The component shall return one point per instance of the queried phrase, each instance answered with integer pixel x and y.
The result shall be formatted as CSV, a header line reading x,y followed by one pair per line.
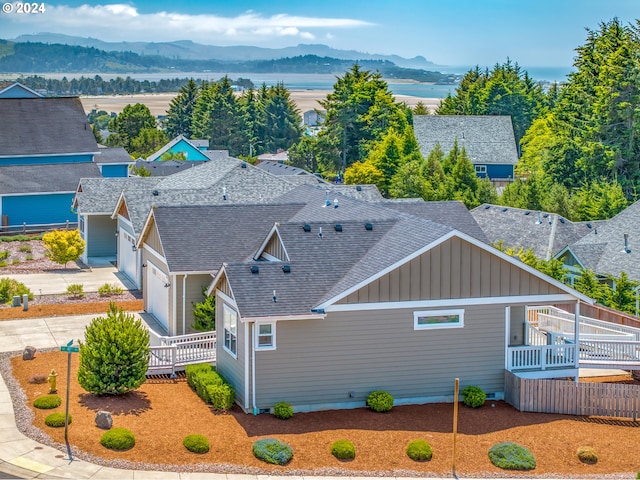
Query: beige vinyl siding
x,y
363,351
275,248
232,369
453,269
194,295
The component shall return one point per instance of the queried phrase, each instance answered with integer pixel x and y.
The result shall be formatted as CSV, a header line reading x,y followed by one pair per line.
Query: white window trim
x,y
481,168
224,330
437,313
257,336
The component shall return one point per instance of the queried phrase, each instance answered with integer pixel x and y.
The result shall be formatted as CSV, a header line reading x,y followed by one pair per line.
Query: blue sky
x,y
460,32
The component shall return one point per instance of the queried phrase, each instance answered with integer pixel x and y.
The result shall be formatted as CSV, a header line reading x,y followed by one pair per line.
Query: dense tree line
x,y
116,86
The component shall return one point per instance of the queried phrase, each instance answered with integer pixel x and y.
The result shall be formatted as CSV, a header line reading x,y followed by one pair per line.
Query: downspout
x,y
246,365
174,291
184,304
253,370
576,337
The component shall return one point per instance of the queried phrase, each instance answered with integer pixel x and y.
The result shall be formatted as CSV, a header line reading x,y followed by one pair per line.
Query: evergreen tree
x,y
130,122
180,112
282,120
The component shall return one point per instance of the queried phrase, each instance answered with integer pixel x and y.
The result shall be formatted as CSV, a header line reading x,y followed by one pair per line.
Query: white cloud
x,y
118,22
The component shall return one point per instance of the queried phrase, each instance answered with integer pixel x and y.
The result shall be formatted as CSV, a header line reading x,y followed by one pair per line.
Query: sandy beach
x,y
158,103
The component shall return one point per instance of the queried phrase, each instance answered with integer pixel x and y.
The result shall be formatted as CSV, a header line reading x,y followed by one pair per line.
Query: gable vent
x,y
368,226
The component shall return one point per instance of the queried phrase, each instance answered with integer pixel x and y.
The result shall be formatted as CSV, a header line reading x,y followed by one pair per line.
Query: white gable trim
x,y
264,244
473,241
169,146
452,302
22,87
568,249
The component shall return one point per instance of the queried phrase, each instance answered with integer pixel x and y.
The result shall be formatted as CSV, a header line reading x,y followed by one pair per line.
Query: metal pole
x,y
66,413
455,422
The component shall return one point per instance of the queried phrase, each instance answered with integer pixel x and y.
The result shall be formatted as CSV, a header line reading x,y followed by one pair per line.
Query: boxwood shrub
x,y
588,455
511,456
221,397
419,451
192,370
196,443
343,450
272,451
46,402
380,401
56,420
473,396
118,439
283,410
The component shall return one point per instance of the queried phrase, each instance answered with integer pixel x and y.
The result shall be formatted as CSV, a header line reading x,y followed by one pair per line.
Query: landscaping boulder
x,y
29,353
104,420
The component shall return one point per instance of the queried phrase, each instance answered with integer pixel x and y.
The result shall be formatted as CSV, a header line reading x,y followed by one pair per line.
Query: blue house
x,y
46,147
488,140
183,148
17,90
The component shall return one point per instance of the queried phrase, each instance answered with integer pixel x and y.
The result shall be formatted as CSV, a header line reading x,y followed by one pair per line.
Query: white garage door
x,y
157,294
127,257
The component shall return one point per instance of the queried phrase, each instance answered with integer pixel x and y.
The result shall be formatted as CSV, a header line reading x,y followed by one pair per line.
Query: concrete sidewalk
x,y
55,282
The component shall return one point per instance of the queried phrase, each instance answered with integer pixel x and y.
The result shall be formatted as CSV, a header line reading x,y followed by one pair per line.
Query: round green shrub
x,y
473,396
343,450
588,455
419,450
272,451
46,402
283,410
118,439
56,420
511,456
196,443
380,401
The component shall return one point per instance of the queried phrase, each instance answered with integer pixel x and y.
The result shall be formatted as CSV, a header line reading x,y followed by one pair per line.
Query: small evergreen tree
x,y
63,246
204,313
115,354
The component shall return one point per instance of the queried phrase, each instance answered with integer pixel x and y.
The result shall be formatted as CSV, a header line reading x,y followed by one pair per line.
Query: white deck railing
x,y
541,357
171,354
610,351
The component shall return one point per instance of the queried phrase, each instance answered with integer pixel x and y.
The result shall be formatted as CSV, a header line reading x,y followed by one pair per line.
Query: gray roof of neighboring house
x,y
517,227
452,213
112,155
169,167
216,154
200,238
43,178
486,138
44,126
277,168
100,195
322,267
603,250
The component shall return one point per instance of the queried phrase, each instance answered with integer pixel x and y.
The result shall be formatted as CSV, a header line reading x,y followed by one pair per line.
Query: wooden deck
x,y
171,354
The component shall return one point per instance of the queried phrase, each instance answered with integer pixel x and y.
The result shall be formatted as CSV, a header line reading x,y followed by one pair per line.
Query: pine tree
x,y
179,115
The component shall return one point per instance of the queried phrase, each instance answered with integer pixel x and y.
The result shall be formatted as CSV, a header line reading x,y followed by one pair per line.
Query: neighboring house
x,y
189,150
488,140
17,90
277,168
543,232
182,246
339,302
279,157
113,162
313,118
609,248
168,167
46,147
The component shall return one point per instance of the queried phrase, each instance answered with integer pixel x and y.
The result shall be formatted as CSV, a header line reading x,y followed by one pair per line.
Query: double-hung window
x,y
230,327
265,336
430,319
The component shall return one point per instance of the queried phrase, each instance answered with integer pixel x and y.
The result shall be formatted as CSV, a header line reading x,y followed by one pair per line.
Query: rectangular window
x,y
230,327
265,336
438,319
481,169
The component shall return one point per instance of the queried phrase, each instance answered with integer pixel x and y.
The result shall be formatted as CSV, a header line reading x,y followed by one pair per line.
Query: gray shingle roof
x,y
200,238
277,168
99,195
112,155
452,213
44,177
44,126
169,167
487,139
518,227
603,251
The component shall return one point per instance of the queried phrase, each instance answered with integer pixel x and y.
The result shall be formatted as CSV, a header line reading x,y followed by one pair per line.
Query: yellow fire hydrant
x,y
52,381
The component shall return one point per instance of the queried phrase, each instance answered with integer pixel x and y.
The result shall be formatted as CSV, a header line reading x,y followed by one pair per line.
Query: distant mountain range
x,y
188,50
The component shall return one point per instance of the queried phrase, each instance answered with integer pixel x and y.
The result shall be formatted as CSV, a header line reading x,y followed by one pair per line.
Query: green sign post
x,y
69,348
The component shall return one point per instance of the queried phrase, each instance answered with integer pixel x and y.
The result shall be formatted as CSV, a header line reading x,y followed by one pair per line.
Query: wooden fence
x,y
572,398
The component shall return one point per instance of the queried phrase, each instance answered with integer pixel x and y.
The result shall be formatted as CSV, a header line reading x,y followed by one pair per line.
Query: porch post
x,y
576,337
507,335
